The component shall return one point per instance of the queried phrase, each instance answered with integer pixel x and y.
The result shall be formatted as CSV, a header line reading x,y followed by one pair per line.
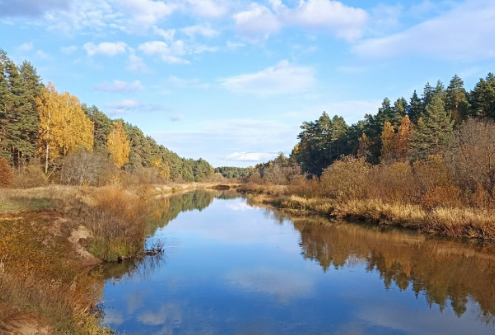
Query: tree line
x,y
42,129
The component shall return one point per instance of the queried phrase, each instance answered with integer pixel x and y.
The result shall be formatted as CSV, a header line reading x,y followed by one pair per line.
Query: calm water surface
x,y
229,268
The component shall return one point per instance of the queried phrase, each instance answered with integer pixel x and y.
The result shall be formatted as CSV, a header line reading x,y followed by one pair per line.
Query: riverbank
x,y
463,222
52,238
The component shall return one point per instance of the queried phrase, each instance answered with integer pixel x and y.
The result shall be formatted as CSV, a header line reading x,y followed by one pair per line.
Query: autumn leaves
x,y
64,128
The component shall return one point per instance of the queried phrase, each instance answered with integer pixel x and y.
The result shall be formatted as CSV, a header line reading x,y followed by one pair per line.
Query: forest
x,y
48,136
426,163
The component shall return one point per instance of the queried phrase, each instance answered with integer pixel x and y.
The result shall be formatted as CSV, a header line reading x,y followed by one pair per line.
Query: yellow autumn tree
x,y
402,137
161,167
388,143
118,145
63,126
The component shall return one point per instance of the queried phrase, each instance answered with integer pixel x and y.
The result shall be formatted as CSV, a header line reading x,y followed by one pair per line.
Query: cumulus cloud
x,y
251,156
120,87
282,78
26,46
105,48
146,13
207,8
205,31
472,22
68,50
31,8
258,22
277,283
344,21
169,54
135,63
168,35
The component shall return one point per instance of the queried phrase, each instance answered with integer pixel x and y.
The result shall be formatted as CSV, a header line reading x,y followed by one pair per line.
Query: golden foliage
x,y
161,167
63,125
402,137
442,196
118,145
388,142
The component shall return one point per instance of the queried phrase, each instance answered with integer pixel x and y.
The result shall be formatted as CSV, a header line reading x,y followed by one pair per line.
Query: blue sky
x,y
232,81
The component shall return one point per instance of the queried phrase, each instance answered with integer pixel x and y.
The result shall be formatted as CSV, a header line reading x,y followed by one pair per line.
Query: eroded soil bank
x,y
49,279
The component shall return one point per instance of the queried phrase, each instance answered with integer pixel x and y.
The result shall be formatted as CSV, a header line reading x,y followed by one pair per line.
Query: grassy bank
x,y
442,220
51,238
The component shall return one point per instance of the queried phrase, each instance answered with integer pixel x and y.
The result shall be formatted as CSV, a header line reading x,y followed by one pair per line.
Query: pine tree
x,y
434,132
118,145
483,99
456,102
416,108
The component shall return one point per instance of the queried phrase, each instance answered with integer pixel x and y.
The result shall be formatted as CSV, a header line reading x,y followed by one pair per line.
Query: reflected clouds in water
x,y
283,285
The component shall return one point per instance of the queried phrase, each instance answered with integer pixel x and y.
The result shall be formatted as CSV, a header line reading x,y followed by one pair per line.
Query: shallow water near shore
x,y
230,268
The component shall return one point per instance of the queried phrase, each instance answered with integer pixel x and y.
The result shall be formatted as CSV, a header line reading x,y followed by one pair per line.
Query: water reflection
x,y
447,271
230,268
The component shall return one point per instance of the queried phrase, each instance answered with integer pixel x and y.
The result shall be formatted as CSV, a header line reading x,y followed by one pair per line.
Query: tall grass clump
x,y
116,219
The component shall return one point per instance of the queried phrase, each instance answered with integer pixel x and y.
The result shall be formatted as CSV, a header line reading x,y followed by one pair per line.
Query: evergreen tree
x,y
434,133
483,99
456,102
416,108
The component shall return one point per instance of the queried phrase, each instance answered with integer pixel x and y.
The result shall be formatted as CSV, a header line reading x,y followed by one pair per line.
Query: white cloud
x,y
26,46
282,78
169,54
68,50
135,63
385,17
251,156
234,45
464,33
257,22
146,13
123,106
233,136
261,22
346,22
41,54
208,8
278,283
205,31
178,82
177,118
423,8
168,35
120,87
105,48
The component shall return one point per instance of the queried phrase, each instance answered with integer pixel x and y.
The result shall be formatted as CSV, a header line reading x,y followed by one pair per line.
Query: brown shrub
x,y
303,187
31,176
346,179
6,175
117,222
431,173
442,196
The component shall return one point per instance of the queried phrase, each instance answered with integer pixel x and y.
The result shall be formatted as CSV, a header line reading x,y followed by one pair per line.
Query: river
x,y
232,268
